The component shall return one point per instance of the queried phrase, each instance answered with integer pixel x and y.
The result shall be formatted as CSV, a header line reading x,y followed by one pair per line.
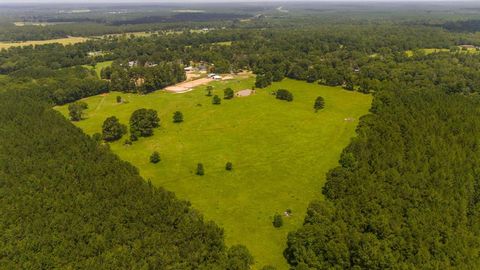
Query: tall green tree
x,y
112,130
143,121
75,110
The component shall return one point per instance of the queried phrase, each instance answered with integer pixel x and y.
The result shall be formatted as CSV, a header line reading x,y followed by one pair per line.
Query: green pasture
x,y
280,152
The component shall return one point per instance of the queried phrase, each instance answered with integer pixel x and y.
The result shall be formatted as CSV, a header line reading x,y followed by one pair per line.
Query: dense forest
x,y
405,195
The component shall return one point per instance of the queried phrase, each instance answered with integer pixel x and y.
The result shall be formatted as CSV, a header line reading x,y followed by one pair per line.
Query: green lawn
x,y
280,153
99,66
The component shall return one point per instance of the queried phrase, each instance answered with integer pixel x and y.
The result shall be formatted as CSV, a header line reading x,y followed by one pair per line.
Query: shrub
x,y
155,157
228,93
229,166
119,99
200,170
283,94
319,104
277,221
216,100
177,117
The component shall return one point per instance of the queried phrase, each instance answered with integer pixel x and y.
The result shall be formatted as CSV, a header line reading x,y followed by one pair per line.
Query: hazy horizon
x,y
223,1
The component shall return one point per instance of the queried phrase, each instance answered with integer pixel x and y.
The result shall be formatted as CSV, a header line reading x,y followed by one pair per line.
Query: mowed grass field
x,y
280,152
99,66
63,41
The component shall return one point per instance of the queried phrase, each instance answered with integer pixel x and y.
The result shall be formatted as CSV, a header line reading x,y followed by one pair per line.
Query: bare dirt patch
x,y
187,86
192,76
245,93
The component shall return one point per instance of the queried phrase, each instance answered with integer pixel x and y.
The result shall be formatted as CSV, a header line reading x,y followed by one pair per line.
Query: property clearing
x,y
280,152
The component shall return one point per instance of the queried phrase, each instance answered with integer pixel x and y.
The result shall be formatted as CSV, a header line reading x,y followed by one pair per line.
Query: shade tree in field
x,y
284,94
228,93
142,122
319,104
216,100
177,117
112,129
229,166
75,110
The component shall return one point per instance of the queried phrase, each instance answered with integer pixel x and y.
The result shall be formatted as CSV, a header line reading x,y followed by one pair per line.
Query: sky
x,y
210,1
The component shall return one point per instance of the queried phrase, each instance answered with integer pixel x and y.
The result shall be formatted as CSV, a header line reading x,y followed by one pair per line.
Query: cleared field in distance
x,y
99,66
73,40
436,50
280,153
63,41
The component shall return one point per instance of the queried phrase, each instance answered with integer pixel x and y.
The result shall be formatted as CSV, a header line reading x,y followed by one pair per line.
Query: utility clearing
x,y
280,152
